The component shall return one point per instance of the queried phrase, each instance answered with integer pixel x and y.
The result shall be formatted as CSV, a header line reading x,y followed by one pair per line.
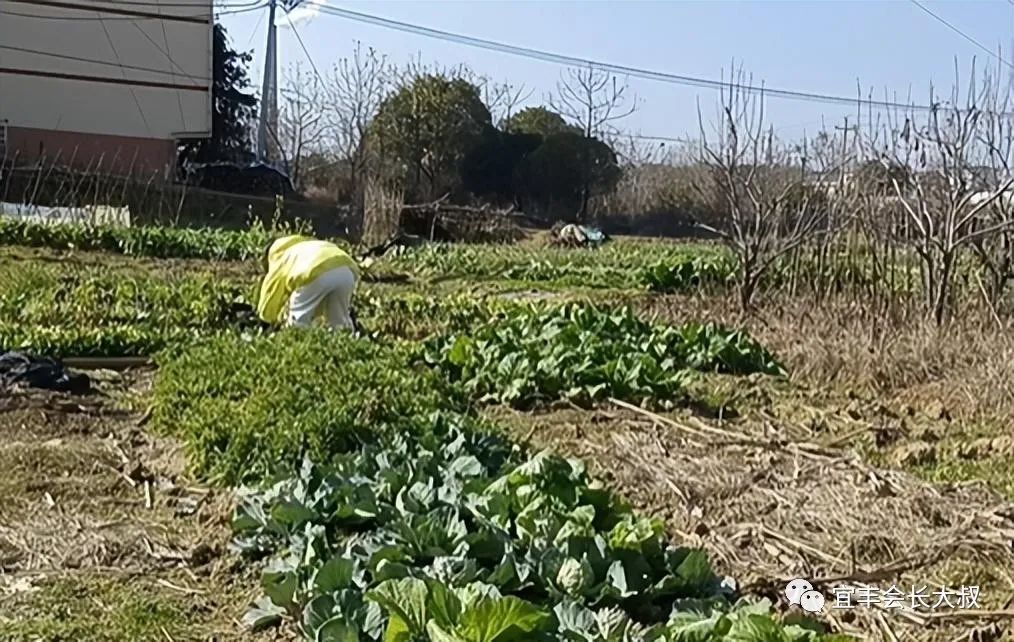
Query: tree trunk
x,y
943,287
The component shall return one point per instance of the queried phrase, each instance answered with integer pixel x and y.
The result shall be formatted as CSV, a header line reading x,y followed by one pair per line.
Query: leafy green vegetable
x,y
454,536
584,353
156,241
691,272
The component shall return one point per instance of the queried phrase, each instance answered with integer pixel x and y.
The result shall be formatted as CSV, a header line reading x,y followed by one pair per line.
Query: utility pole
x,y
268,125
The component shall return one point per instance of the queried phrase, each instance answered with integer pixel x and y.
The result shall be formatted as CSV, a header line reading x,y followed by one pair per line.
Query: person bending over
x,y
306,278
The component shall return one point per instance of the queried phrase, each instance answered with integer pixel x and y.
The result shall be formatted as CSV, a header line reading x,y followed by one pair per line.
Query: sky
x,y
825,46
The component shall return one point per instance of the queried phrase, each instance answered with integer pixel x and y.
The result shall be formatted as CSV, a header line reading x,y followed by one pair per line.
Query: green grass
x,y
102,609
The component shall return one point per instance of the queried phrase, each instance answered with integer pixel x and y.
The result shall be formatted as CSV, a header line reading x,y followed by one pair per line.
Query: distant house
x,y
104,86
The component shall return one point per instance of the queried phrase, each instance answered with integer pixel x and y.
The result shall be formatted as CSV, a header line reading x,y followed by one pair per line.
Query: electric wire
x,y
638,72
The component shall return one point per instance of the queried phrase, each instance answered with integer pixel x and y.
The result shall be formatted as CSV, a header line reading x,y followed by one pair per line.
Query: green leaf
x,y
508,619
335,574
756,628
697,627
467,466
336,630
443,605
397,630
291,513
635,534
439,634
319,610
280,587
572,616
416,602
459,352
695,569
404,599
387,570
263,614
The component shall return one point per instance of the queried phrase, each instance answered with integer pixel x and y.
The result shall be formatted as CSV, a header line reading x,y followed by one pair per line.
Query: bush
x,y
250,406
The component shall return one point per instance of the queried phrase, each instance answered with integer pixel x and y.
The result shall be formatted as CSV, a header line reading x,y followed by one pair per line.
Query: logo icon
x,y
801,593
812,602
795,589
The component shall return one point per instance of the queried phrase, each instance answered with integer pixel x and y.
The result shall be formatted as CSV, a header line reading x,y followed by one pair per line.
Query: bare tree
x,y
639,189
354,88
774,195
503,99
946,206
995,252
301,117
595,100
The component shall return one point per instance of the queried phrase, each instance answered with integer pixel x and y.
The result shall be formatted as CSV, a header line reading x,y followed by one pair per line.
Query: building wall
x,y
97,153
92,80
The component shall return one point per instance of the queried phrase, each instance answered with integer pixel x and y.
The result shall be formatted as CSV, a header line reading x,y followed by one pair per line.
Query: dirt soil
x,y
773,501
102,535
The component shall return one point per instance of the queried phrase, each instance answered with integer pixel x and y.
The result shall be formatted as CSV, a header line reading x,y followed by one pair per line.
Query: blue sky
x,y
822,46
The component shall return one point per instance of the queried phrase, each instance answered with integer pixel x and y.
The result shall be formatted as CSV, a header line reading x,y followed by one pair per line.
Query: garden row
x,y
535,354
91,312
622,264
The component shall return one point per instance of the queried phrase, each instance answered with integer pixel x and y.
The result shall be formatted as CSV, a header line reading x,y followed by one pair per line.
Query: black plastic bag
x,y
18,369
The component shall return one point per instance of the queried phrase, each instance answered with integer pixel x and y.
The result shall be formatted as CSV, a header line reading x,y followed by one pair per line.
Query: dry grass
x,y
771,502
99,525
935,401
967,365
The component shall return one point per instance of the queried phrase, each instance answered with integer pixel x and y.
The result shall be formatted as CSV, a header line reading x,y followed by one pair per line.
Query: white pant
x,y
331,292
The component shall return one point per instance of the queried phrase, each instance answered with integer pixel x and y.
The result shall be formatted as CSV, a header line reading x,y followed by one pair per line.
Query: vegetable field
x,y
527,444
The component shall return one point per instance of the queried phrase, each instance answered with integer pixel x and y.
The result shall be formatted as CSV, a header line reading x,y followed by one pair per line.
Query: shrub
x,y
250,406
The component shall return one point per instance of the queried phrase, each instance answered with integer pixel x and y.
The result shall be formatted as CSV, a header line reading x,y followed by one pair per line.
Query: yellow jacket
x,y
294,261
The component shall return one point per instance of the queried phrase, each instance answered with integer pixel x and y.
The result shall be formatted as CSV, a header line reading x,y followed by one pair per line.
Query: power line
x,y
637,72
168,57
168,51
260,19
192,5
960,32
305,50
95,61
